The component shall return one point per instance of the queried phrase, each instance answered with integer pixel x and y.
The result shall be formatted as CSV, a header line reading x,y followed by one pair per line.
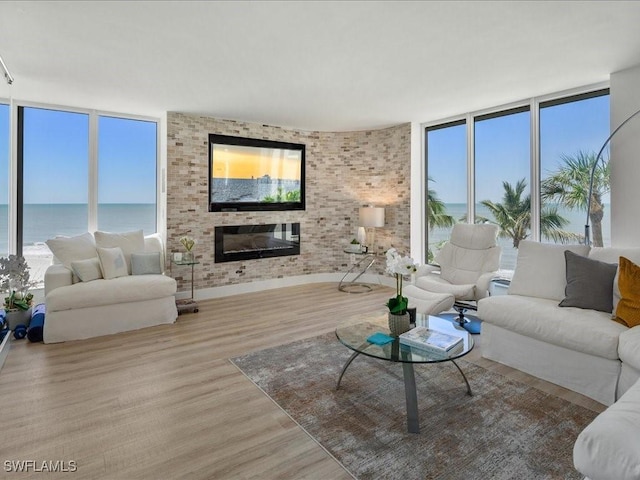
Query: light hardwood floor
x,y
165,402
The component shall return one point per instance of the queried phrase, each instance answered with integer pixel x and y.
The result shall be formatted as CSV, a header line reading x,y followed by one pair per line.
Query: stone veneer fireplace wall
x,y
344,170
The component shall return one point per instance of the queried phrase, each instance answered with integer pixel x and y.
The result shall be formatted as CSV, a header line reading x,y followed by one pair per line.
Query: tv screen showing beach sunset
x,y
252,176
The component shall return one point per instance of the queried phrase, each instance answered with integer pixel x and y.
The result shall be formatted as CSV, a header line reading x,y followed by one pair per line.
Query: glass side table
x,y
186,305
358,269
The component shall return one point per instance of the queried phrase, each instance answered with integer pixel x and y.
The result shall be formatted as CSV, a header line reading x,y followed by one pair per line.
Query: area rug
x,y
506,430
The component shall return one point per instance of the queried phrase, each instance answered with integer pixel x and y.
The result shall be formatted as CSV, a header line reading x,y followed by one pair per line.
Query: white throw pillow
x,y
541,269
69,249
129,242
112,262
87,270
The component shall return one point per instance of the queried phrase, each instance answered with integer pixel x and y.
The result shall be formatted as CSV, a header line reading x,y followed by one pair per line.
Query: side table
x,y
187,304
358,269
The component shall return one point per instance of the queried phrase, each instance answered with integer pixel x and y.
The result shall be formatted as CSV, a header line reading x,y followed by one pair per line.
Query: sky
x,y
503,147
56,152
236,161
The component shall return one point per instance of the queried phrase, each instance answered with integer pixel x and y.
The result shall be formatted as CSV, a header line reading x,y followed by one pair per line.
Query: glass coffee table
x,y
353,334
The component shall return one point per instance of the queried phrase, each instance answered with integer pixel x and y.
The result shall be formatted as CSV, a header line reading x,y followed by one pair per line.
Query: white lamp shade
x,y
371,217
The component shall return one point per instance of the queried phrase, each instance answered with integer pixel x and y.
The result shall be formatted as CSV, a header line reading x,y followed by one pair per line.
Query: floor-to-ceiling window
x,y
54,153
4,179
502,177
127,152
566,131
447,182
572,130
77,171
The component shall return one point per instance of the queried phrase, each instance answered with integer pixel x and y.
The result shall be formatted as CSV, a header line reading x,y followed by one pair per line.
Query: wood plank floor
x,y
165,402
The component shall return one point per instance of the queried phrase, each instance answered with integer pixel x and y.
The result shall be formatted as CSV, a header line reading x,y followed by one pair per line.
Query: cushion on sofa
x,y
608,447
145,263
587,331
612,255
129,242
589,283
87,270
112,263
540,269
628,309
132,288
629,347
69,249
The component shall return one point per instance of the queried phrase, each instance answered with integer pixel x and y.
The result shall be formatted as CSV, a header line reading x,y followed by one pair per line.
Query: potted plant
x,y
354,246
15,282
399,266
188,243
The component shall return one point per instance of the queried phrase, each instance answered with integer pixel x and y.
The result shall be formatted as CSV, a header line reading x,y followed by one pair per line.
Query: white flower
x,y
399,265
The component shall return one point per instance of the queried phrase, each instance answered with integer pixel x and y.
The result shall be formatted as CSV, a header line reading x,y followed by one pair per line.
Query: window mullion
x,y
93,173
535,170
471,181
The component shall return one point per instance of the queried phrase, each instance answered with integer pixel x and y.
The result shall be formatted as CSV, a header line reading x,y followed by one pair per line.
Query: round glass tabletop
x,y
356,331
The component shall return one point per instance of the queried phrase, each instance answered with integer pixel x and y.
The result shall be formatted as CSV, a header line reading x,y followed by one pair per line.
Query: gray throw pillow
x,y
145,263
589,283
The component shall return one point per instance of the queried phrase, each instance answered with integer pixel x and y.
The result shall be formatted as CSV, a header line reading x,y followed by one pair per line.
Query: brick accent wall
x,y
344,171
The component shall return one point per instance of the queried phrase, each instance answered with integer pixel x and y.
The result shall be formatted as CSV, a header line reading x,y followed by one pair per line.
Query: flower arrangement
x,y
14,279
399,266
188,242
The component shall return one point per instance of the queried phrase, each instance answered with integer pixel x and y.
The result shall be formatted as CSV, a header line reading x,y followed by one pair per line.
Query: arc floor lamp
x,y
587,227
7,75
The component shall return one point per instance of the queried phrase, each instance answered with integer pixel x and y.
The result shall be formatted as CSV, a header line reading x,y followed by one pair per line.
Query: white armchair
x,y
465,266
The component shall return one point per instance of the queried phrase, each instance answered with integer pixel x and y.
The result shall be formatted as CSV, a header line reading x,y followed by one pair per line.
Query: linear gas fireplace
x,y
247,242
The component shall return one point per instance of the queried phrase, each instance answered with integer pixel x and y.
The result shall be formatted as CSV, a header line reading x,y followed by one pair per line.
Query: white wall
x,y
625,159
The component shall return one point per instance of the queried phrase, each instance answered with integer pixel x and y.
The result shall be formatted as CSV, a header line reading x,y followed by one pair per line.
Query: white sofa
x,y
84,309
580,349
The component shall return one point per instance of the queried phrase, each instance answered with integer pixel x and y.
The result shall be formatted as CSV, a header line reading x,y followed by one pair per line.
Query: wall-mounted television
x,y
249,174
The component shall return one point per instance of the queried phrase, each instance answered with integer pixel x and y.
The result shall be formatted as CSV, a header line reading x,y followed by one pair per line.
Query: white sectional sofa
x,y
86,298
581,349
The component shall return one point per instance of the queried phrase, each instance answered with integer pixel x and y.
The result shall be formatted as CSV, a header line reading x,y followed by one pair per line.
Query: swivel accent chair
x,y
465,266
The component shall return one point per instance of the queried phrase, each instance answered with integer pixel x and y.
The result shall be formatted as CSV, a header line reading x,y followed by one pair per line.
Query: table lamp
x,y
370,218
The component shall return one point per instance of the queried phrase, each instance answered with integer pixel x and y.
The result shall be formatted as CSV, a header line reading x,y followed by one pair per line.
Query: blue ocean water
x,y
44,221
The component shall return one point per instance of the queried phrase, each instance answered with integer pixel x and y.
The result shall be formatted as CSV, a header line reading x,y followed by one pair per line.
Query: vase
x,y
399,323
187,256
18,317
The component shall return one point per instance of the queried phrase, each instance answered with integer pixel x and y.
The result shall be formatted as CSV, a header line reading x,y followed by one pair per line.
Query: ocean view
x,y
509,254
44,221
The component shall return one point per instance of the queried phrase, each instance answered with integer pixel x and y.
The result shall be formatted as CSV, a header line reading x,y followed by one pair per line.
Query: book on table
x,y
432,340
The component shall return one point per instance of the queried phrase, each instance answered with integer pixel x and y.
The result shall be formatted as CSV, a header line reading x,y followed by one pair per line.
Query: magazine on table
x,y
423,337
435,352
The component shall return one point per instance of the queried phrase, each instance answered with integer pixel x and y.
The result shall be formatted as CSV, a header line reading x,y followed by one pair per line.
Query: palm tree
x,y
437,211
513,216
436,216
569,186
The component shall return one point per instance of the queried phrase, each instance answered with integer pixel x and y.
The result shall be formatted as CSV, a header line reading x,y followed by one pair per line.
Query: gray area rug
x,y
506,430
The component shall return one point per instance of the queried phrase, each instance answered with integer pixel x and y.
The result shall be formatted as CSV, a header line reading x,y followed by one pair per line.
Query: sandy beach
x,y
38,257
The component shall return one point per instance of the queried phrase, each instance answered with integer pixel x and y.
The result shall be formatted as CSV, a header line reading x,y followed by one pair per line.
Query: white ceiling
x,y
327,65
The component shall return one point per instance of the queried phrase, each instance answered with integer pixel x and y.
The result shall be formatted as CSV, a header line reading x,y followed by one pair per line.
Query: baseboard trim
x,y
260,285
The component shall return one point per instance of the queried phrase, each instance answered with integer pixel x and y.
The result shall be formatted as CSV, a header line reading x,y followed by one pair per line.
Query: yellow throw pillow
x,y
628,310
